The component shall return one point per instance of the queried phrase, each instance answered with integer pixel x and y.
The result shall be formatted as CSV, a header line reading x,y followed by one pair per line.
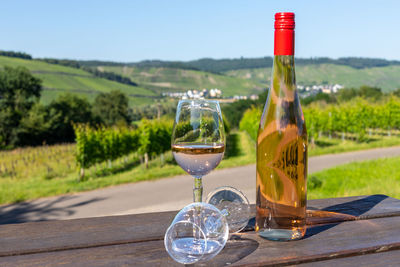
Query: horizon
x,y
133,31
196,59
185,61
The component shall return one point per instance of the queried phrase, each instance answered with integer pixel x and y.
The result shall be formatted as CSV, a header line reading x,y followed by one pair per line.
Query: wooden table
x,y
355,231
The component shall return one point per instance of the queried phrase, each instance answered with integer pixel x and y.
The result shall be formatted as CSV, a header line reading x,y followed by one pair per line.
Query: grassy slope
x,y
168,79
60,79
380,176
388,78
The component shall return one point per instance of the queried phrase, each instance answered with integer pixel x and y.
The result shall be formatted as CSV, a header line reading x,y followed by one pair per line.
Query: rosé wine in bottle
x,y
282,146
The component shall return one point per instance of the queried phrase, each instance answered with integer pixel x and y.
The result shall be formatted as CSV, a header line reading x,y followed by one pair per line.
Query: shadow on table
x,y
319,220
235,249
40,210
322,220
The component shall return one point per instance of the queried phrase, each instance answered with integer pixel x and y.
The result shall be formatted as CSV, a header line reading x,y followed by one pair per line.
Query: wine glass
x,y
198,232
233,204
198,139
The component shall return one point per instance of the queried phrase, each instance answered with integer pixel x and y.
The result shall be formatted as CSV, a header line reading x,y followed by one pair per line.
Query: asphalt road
x,y
160,195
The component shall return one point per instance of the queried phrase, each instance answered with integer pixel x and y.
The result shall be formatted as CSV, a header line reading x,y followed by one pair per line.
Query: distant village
x,y
215,93
306,91
195,94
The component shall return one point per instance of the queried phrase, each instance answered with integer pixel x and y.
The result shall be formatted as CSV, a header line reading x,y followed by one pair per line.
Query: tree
x,y
15,54
396,92
370,92
112,108
63,112
19,90
35,127
346,94
233,112
323,97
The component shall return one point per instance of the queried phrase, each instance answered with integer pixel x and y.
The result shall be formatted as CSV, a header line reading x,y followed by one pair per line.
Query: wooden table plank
x,y
247,249
360,208
80,233
387,259
138,230
329,241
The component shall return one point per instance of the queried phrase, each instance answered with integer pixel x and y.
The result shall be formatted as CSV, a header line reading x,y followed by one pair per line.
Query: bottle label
x,y
284,42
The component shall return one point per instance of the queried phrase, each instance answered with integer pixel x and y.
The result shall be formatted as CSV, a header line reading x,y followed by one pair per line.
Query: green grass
x,y
48,95
241,150
93,84
12,190
325,145
40,66
380,176
387,78
60,79
169,79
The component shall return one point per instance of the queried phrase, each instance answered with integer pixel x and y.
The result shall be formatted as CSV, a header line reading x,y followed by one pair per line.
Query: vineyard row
x,y
356,118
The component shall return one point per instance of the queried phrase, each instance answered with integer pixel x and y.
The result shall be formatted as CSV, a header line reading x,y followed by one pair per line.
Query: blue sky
x,y
131,31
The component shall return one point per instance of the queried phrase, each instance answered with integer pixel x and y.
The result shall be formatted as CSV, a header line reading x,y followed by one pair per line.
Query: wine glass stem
x,y
197,197
198,189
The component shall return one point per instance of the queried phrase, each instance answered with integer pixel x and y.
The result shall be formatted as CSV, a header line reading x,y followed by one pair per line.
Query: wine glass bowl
x,y
198,139
185,242
198,232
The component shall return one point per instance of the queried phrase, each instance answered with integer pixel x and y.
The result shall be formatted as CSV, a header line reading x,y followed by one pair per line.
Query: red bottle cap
x,y
284,20
284,33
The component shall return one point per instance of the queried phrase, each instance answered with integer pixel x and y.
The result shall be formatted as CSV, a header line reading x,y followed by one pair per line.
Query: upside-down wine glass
x,y
197,233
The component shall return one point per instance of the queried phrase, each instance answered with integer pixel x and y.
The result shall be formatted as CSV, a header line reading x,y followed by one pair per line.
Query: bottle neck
x,y
284,42
283,105
283,77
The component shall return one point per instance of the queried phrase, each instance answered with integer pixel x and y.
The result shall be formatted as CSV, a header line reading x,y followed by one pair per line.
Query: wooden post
x,y
162,159
82,174
146,160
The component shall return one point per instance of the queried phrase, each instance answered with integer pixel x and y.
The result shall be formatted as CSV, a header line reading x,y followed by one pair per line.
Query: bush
x,y
251,121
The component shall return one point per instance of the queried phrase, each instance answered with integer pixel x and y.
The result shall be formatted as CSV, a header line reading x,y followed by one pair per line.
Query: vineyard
x,y
34,172
45,162
356,120
101,144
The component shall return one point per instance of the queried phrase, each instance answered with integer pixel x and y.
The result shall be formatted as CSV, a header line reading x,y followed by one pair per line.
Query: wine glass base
x,y
233,204
281,234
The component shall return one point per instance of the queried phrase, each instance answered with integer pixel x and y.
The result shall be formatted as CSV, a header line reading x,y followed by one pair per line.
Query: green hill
x,y
387,78
59,79
242,76
227,64
165,79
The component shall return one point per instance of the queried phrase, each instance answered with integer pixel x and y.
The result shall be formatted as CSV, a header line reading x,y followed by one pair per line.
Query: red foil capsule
x,y
284,33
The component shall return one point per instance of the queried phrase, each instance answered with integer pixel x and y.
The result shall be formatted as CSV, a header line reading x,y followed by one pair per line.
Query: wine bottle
x,y
282,146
